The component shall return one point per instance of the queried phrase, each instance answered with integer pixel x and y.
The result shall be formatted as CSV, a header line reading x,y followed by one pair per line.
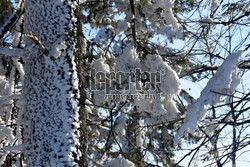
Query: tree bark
x,y
50,86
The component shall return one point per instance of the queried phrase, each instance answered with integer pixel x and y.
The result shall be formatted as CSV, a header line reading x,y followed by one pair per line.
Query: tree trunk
x,y
51,85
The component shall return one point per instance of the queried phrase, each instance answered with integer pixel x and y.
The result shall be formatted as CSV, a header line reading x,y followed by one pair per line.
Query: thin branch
x,y
246,14
132,6
35,39
10,97
14,52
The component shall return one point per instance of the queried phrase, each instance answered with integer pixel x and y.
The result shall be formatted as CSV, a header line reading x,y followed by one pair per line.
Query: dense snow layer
x,y
158,13
167,5
100,66
58,47
129,60
224,82
169,84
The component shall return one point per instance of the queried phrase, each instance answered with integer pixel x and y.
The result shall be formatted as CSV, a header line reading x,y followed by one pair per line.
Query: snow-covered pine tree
x,y
49,102
39,102
50,87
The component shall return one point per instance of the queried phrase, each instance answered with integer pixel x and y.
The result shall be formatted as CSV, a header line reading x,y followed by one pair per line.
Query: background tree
x,y
217,29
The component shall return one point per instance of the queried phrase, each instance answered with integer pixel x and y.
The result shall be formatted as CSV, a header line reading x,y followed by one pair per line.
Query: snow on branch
x,y
20,68
10,97
120,162
224,82
14,52
14,148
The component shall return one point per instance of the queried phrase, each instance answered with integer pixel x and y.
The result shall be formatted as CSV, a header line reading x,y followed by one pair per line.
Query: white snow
x,y
139,138
223,82
19,67
121,26
170,83
14,52
100,65
122,162
129,60
58,47
215,4
10,97
121,124
167,5
211,126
